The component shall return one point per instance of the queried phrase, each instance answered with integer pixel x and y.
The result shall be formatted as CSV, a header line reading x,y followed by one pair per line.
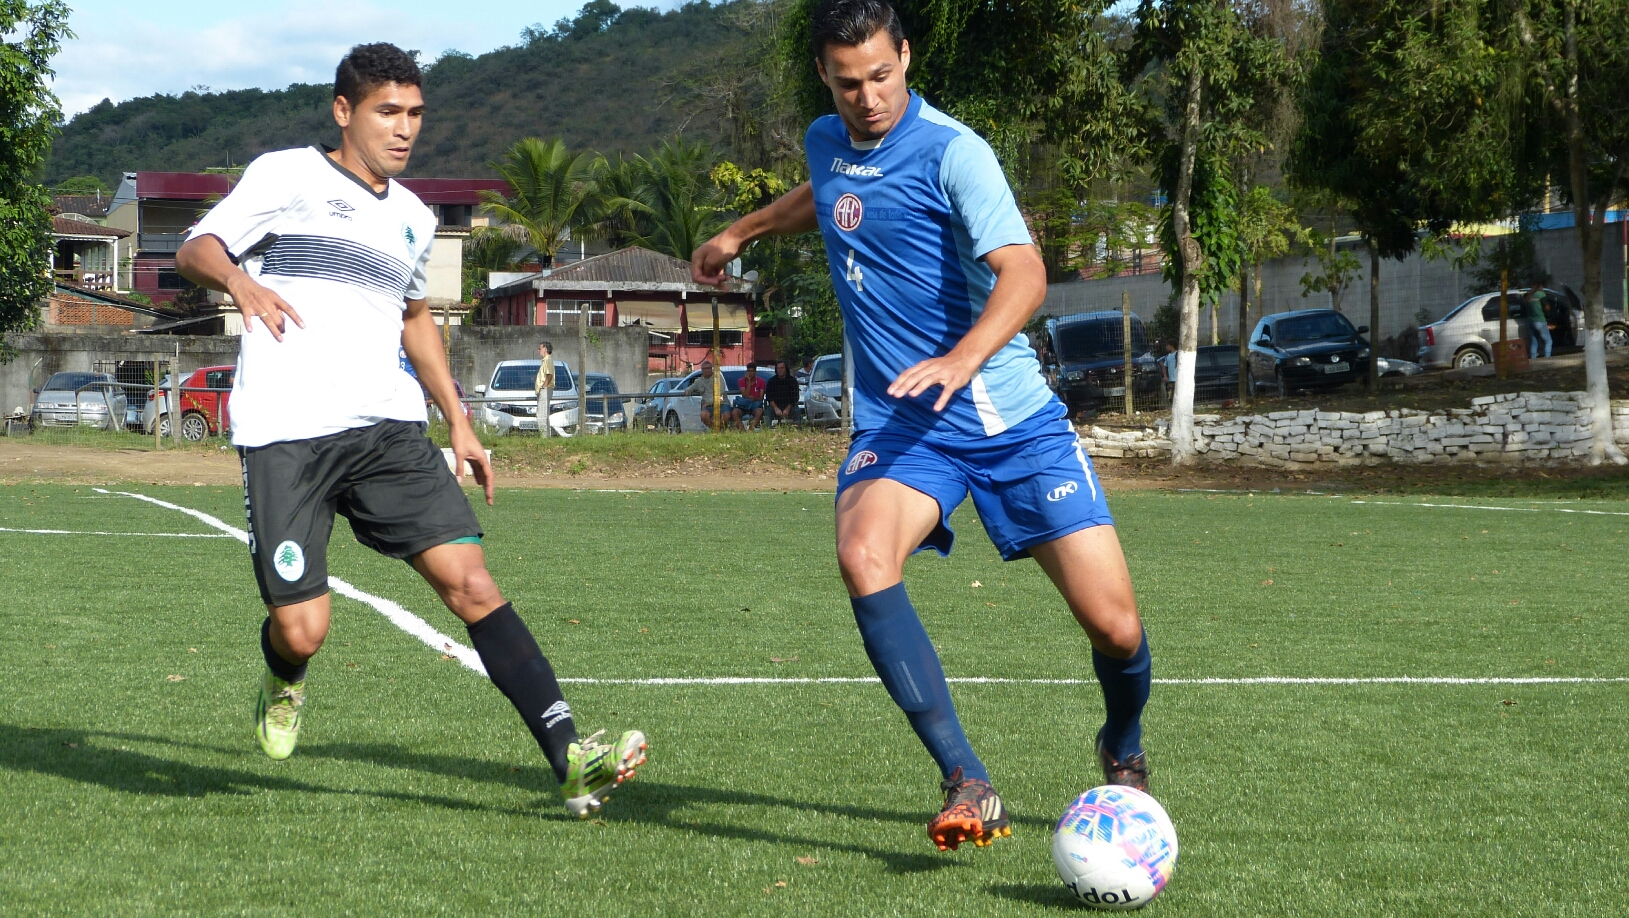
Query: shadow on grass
x,y
1052,895
48,751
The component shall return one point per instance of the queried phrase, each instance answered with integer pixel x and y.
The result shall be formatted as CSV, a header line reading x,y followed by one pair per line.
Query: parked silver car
x,y
76,398
512,382
683,412
823,396
653,410
1467,336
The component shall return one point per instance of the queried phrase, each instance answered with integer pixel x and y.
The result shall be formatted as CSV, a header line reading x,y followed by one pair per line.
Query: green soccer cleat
x,y
599,768
277,716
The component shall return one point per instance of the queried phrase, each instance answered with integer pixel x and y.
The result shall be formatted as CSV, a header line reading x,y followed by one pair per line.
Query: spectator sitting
x,y
782,394
749,405
703,386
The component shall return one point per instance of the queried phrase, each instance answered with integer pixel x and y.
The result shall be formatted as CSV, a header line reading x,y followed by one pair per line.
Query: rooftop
x,y
632,268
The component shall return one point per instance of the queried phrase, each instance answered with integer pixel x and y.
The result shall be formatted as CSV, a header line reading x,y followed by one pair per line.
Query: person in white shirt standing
x,y
325,257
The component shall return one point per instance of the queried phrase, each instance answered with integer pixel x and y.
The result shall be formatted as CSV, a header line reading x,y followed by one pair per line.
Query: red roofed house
x,y
86,254
636,286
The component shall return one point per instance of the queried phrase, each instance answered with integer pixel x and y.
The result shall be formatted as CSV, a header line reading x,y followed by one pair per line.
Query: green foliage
x,y
676,205
1016,72
746,191
1215,210
607,90
1266,226
488,249
1337,268
553,193
1405,119
819,328
30,35
1515,253
81,184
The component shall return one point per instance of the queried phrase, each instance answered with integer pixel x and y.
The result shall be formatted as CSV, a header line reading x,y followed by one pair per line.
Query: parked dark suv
x,y
1309,349
1084,359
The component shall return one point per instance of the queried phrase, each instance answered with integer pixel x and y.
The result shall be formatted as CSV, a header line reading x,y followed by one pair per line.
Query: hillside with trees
x,y
609,79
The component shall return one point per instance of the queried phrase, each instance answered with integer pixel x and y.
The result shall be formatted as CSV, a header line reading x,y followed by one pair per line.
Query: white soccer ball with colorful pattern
x,y
1115,848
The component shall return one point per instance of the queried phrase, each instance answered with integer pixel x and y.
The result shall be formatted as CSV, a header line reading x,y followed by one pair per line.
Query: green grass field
x,y
131,783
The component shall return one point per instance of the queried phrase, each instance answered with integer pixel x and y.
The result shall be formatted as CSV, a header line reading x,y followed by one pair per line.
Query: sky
x,y
126,50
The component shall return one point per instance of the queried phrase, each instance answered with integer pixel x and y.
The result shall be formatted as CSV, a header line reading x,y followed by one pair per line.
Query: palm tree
x,y
553,193
683,206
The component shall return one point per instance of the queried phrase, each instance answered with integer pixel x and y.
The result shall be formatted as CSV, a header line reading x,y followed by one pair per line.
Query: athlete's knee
x,y
300,638
867,564
471,590
1120,635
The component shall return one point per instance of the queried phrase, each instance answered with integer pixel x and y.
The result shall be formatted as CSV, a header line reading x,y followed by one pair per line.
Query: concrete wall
x,y
445,272
1409,290
41,354
475,351
621,352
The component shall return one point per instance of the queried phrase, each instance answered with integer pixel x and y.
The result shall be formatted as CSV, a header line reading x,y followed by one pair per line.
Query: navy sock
x,y
281,668
903,656
1125,691
517,667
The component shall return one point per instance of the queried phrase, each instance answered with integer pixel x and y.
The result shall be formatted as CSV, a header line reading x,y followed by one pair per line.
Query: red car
x,y
204,396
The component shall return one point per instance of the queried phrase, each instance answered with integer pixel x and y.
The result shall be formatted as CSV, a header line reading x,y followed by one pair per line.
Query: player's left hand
x,y
467,447
948,371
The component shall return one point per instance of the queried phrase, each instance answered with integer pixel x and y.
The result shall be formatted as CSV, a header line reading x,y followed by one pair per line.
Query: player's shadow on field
x,y
87,757
673,806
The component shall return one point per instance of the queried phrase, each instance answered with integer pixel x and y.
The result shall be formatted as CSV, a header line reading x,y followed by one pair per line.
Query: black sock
x,y
281,668
518,669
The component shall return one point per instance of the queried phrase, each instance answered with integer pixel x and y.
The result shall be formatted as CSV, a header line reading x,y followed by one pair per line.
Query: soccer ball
x,y
1115,848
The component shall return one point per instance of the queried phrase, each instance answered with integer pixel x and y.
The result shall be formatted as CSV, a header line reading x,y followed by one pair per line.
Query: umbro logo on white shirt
x,y
337,204
844,168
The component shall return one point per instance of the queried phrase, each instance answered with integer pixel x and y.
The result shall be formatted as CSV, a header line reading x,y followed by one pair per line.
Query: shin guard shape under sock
x,y
518,669
903,656
1125,691
281,668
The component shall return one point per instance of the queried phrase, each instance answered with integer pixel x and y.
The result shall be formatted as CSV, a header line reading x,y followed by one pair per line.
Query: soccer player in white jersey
x,y
936,275
325,257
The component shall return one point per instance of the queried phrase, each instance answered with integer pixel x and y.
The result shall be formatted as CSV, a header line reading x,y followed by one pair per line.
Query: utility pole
x,y
718,374
1504,320
582,368
1125,337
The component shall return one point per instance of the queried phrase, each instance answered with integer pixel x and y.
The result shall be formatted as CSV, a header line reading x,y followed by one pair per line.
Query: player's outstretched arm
x,y
1020,287
792,213
204,261
421,339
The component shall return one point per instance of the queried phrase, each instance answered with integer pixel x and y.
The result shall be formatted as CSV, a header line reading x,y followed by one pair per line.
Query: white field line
x,y
1396,503
144,535
422,630
397,615
989,680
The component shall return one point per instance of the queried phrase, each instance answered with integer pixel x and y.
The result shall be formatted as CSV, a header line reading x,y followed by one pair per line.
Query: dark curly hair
x,y
851,23
368,67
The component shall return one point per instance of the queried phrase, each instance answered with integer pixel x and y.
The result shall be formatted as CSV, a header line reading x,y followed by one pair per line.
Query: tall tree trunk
x,y
1192,257
1590,240
1373,381
1244,330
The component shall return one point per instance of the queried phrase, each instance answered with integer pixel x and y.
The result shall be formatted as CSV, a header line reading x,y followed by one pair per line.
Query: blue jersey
x,y
906,222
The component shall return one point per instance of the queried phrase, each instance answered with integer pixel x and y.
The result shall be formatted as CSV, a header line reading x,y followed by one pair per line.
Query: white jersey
x,y
346,258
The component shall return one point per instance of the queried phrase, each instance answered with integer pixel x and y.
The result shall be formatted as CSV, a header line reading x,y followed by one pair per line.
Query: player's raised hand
x,y
467,447
949,371
257,302
708,262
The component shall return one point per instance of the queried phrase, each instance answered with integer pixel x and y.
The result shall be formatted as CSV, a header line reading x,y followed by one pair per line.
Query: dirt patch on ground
x,y
22,461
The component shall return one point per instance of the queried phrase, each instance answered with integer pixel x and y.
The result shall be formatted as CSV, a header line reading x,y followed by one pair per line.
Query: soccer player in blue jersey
x,y
936,275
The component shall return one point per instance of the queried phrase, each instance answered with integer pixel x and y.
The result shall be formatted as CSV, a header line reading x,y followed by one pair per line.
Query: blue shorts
x,y
1031,484
746,404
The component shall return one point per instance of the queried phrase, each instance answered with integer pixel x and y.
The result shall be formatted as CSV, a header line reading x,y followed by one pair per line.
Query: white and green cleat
x,y
277,716
598,768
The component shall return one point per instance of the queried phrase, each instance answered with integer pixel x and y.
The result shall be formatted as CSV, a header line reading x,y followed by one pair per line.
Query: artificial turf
x,y
132,785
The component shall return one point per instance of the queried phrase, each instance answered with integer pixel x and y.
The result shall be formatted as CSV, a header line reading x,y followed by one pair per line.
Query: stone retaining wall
x,y
1524,427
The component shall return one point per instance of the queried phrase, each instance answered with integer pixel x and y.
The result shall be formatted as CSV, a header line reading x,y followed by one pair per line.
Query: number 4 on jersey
x,y
855,275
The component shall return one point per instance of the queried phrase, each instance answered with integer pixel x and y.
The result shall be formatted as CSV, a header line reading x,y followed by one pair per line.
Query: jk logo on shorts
x,y
861,459
1062,491
289,561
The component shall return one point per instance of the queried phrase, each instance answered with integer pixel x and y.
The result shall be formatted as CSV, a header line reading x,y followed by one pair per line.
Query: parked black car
x,y
1216,372
1084,359
1308,349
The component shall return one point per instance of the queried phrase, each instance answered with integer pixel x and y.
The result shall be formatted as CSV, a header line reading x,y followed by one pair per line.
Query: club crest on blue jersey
x,y
846,213
861,459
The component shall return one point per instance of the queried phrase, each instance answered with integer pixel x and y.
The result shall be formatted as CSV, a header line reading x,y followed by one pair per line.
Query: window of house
x,y
727,337
566,312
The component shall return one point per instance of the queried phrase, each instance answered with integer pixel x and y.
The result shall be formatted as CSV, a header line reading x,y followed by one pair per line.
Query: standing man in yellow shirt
x,y
544,386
